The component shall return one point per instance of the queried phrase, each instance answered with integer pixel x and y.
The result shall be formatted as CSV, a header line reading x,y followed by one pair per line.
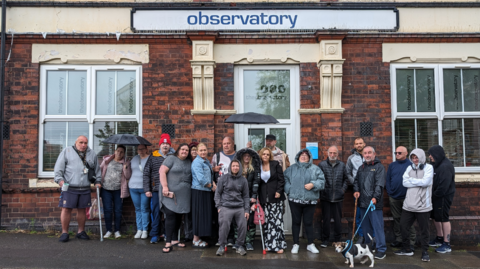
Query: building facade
x,y
394,73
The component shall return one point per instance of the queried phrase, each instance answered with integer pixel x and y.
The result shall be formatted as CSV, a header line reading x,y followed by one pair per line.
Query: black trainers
x,y
396,244
380,255
425,257
249,247
64,238
235,246
230,242
404,252
324,244
438,241
83,236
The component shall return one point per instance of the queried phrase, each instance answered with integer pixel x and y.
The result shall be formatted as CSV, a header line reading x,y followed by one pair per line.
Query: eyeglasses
x,y
398,153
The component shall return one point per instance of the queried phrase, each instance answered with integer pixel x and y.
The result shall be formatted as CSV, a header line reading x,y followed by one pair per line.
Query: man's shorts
x,y
75,199
441,208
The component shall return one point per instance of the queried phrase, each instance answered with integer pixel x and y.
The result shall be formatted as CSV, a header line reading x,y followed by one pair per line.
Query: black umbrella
x,y
127,140
251,118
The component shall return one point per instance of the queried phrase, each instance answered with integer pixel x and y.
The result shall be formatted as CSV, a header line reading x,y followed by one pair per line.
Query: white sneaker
x,y
295,249
138,234
312,248
117,234
144,234
107,235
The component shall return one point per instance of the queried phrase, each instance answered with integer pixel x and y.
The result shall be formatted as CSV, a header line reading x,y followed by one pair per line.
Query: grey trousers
x,y
396,209
225,217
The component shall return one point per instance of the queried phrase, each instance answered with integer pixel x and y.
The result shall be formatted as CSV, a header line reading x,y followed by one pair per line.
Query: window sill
x,y
36,183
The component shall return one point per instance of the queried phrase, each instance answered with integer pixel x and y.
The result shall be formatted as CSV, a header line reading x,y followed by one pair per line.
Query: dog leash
x,y
371,207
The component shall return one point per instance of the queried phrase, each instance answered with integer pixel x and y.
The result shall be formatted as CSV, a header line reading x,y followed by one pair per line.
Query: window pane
x,y
104,129
126,93
405,88
471,89
452,90
77,93
257,136
105,89
267,92
427,134
405,134
425,87
281,135
57,136
452,132
472,142
56,92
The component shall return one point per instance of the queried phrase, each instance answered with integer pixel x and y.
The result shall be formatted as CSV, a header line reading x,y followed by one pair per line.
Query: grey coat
x,y
353,163
69,168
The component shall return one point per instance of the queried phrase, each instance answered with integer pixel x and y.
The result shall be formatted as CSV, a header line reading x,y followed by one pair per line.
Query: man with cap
x,y
278,155
151,181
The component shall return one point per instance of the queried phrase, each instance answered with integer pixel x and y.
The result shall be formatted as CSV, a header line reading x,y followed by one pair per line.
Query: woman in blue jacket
x,y
202,186
303,183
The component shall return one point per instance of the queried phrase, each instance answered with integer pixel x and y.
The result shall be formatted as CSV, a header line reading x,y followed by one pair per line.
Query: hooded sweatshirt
x,y
232,190
253,177
444,173
353,163
395,188
418,180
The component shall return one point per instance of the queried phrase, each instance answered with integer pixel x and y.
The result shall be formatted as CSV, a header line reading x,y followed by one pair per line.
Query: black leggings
x,y
307,211
173,221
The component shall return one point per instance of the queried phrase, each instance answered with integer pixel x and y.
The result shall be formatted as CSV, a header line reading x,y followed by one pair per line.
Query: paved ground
x,y
19,250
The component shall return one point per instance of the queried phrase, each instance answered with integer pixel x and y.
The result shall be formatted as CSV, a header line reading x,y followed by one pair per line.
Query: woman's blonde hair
x,y
249,167
201,145
263,150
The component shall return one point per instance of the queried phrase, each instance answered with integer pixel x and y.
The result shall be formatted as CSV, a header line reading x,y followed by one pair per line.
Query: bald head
x,y
81,143
333,153
401,153
227,145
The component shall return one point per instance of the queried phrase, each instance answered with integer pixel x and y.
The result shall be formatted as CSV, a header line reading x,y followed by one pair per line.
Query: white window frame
x,y
439,113
90,116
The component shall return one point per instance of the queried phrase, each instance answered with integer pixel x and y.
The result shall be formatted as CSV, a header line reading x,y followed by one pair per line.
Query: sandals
x,y
178,246
199,244
170,248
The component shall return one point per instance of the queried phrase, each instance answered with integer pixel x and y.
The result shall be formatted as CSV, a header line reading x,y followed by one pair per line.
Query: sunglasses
x,y
398,153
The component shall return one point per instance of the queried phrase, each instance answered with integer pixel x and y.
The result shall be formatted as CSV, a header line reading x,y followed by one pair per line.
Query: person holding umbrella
x,y
140,200
115,173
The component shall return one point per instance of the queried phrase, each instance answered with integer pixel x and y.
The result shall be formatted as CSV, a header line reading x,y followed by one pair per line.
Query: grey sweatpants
x,y
225,217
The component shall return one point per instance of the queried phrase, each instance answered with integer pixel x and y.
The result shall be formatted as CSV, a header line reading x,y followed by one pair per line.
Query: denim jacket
x,y
201,174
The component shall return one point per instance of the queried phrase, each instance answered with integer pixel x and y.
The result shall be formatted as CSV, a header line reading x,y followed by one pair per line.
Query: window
x,y
95,101
438,104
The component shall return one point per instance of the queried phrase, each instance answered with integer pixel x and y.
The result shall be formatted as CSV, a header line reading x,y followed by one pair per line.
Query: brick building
x,y
395,73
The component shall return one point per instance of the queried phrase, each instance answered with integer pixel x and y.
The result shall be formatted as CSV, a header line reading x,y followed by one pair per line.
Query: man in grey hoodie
x,y
71,173
232,199
418,179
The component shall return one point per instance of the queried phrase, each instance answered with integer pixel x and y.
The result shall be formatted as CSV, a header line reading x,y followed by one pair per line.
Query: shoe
x,y
404,252
249,247
138,234
435,242
64,238
154,240
144,235
117,235
380,255
396,244
217,244
444,248
220,251
235,246
295,248
425,257
312,248
108,234
241,251
324,244
360,240
83,236
230,242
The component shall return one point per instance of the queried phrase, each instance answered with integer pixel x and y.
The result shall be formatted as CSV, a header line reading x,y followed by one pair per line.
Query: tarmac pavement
x,y
18,250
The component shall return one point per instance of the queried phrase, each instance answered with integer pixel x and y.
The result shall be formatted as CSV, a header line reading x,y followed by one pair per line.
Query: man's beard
x,y
332,159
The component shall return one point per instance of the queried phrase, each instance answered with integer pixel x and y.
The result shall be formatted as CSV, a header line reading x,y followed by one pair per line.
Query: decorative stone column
x,y
202,71
331,73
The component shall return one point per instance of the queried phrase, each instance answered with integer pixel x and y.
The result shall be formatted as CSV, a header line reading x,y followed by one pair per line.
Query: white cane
x,y
99,214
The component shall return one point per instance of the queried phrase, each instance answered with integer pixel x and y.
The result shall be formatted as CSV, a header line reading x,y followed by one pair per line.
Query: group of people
x,y
218,198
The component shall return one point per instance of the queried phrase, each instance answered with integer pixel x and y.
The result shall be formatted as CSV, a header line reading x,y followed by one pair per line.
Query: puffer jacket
x,y
232,191
336,181
418,180
353,163
126,174
253,177
444,174
151,175
299,174
370,182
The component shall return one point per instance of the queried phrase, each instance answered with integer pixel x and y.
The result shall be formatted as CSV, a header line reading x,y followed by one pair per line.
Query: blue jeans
x,y
156,214
112,203
142,208
373,223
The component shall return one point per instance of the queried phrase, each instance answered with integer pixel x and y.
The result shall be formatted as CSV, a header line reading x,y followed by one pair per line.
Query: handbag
x,y
259,215
93,210
92,176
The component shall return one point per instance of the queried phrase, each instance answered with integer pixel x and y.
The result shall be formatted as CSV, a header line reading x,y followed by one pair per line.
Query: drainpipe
x,y
2,90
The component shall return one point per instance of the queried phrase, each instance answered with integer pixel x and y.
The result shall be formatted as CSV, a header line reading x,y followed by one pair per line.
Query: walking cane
x,y
354,219
99,215
261,232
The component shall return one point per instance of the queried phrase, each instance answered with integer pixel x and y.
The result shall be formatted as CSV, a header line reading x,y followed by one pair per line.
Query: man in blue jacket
x,y
396,192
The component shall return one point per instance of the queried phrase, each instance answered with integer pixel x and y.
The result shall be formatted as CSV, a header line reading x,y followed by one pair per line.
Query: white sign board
x,y
255,20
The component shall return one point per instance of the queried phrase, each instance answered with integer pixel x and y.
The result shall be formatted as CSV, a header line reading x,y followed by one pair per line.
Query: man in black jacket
x,y
442,196
336,183
368,186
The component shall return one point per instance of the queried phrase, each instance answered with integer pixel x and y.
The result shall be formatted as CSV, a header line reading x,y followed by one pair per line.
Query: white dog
x,y
357,251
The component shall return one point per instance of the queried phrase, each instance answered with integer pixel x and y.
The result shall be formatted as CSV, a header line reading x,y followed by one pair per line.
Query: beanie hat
x,y
193,144
165,138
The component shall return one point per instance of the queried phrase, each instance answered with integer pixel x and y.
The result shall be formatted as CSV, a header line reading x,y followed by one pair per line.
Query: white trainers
x,y
138,234
117,234
144,234
295,249
312,248
107,235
